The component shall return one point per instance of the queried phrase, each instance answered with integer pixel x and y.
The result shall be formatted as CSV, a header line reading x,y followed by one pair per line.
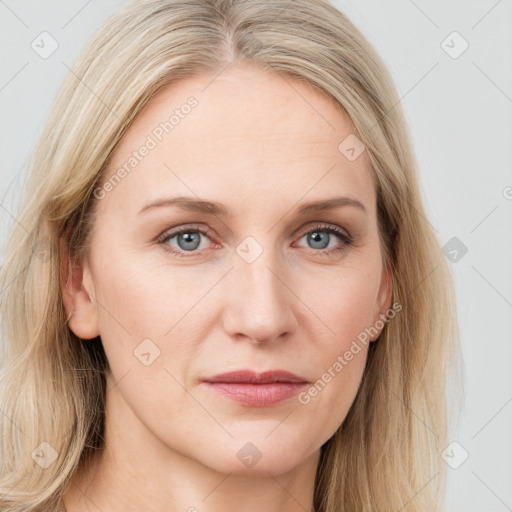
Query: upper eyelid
x,y
325,226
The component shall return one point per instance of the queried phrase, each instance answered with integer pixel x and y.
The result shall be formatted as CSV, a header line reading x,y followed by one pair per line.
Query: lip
x,y
256,389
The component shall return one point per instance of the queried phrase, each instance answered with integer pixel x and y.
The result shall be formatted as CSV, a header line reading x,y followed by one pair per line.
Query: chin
x,y
257,458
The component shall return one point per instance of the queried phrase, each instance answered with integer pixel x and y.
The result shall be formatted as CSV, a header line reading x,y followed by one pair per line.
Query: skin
x,y
261,144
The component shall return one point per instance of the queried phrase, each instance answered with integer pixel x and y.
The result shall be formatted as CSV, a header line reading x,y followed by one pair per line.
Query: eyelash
x,y
345,238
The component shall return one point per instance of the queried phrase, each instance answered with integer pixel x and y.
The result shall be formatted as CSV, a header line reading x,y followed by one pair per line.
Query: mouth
x,y
256,389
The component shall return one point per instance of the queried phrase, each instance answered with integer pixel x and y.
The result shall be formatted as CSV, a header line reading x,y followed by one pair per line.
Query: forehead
x,y
245,135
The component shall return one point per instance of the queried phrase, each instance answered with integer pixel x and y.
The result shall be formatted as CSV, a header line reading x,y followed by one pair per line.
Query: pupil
x,y
316,237
188,238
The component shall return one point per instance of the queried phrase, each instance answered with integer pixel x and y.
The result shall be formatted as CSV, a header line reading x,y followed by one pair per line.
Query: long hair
x,y
386,455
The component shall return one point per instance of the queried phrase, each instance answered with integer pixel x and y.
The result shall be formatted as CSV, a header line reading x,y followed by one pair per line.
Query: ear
x,y
383,302
78,294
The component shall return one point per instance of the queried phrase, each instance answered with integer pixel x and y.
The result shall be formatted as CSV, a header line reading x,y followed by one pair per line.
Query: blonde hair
x,y
386,455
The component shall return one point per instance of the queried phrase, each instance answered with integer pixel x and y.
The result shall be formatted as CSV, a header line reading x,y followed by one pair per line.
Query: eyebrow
x,y
215,208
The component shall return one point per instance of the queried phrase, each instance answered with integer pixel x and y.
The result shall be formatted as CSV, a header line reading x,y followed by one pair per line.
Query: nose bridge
x,y
258,301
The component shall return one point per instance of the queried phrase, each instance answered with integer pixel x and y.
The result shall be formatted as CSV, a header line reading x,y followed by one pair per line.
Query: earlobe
x,y
77,294
383,300
387,283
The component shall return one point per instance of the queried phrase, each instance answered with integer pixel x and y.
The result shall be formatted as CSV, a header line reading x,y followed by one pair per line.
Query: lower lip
x,y
257,395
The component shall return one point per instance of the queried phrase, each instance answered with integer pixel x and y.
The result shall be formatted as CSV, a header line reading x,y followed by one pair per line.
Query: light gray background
x,y
459,113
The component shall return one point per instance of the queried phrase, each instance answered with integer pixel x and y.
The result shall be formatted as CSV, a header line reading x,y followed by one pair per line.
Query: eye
x,y
187,240
321,236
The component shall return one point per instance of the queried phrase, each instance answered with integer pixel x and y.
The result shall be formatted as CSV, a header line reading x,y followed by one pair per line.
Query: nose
x,y
258,302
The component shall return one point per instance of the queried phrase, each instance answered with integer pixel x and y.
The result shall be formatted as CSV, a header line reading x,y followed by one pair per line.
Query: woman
x,y
225,290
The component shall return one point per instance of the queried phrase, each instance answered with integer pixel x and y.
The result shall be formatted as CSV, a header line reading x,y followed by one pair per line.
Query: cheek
x,y
339,361
342,310
140,299
344,300
148,342
151,317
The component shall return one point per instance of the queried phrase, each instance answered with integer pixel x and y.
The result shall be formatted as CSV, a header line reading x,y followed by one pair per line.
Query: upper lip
x,y
251,377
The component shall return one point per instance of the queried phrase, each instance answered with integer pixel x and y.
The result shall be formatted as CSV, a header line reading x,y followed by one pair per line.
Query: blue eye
x,y
188,240
320,237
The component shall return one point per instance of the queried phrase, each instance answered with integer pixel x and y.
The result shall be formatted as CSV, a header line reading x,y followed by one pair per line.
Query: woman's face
x,y
252,282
